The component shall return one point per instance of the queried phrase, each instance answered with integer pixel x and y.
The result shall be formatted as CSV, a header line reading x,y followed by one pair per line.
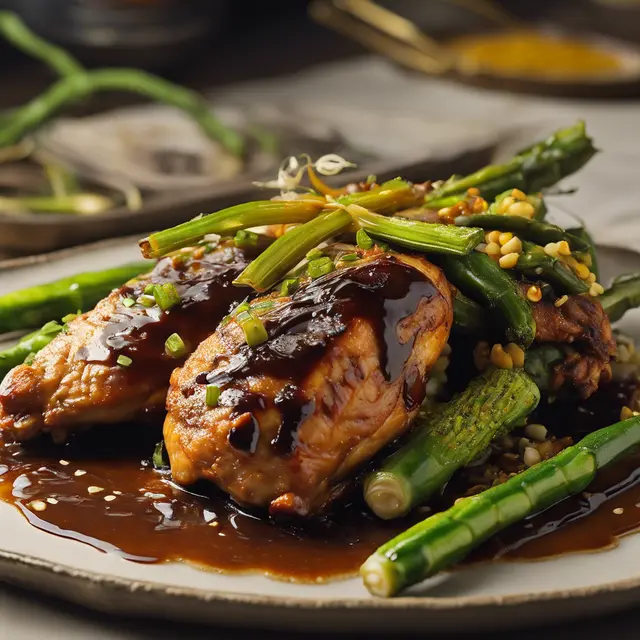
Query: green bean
x,y
621,296
446,538
480,278
468,316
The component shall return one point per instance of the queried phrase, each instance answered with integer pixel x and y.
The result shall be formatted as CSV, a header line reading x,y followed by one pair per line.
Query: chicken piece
x,y
582,323
342,373
76,380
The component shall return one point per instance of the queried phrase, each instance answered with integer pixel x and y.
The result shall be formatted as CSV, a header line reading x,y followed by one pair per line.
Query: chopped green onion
x,y
245,239
175,346
128,302
288,286
243,306
265,304
254,330
350,257
70,316
158,458
320,267
124,361
30,358
166,295
213,395
314,254
146,301
363,239
52,327
149,289
382,245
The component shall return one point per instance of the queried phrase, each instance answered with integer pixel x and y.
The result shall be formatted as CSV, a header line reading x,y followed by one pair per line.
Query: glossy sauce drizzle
x,y
91,491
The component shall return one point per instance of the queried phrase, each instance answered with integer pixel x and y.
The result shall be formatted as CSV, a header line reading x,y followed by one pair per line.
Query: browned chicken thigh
x,y
77,380
341,374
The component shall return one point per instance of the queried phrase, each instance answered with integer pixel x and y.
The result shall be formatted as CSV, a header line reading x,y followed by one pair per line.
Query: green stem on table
x,y
79,86
78,203
229,222
525,229
461,431
536,264
288,250
621,296
482,280
446,538
33,306
14,30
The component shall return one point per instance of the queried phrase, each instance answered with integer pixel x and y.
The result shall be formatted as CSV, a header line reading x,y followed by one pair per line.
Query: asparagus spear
x,y
532,169
35,305
622,295
458,434
534,230
535,263
29,344
445,538
480,278
420,236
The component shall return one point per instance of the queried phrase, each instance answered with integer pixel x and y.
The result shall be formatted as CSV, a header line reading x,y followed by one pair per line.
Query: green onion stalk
x,y
447,537
33,306
491,405
537,167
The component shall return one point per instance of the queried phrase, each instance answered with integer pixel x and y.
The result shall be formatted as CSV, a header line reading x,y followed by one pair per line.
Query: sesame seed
x,y
38,505
64,463
117,493
79,472
52,501
214,523
618,511
94,489
109,498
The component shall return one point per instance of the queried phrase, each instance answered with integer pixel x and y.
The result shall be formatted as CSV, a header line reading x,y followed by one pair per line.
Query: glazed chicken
x,y
582,323
341,374
77,379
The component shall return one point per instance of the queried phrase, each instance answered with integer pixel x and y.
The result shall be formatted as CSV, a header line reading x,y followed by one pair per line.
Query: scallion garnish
x,y
255,332
146,300
314,254
166,295
53,326
320,267
245,239
363,239
149,289
30,358
175,347
288,286
349,257
213,395
124,361
128,302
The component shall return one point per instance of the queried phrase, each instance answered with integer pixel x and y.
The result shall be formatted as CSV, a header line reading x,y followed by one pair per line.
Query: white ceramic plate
x,y
484,596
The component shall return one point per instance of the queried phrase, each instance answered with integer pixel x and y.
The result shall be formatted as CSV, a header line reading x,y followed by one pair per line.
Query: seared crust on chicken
x,y
342,374
76,380
582,323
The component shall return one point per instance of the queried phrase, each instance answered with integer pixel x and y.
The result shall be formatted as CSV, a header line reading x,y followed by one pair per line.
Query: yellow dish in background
x,y
533,54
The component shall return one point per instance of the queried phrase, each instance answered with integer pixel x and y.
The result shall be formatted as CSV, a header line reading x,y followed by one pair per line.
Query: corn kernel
x,y
444,212
493,236
473,191
572,262
505,204
596,289
513,246
626,413
521,209
563,248
551,249
534,294
492,249
560,301
500,358
516,353
519,195
591,279
582,271
480,205
505,237
509,261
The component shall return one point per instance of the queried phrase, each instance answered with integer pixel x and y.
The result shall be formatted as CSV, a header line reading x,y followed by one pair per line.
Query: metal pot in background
x,y
153,34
